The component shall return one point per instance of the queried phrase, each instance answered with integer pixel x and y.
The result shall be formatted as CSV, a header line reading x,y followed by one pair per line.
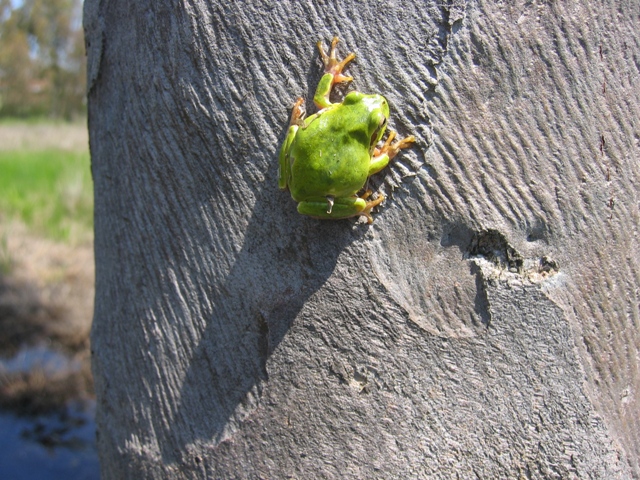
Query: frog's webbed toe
x,y
392,149
297,112
331,63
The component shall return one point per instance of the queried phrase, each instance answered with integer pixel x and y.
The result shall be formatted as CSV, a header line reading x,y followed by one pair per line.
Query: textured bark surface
x,y
485,325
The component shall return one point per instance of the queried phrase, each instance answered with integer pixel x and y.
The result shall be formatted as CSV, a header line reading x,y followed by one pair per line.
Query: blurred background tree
x,y
42,59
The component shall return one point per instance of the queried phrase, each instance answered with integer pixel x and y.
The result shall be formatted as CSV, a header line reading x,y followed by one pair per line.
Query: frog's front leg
x,y
382,155
333,73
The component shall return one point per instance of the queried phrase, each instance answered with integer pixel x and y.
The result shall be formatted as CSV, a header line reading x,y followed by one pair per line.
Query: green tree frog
x,y
326,158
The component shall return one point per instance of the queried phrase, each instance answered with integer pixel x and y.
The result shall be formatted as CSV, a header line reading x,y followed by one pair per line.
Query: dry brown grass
x,y
48,292
26,136
46,297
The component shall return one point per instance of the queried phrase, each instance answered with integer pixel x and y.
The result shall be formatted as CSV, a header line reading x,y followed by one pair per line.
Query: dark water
x,y
54,446
58,446
38,356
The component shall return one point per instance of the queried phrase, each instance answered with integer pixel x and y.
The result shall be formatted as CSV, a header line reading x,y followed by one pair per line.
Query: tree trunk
x,y
486,324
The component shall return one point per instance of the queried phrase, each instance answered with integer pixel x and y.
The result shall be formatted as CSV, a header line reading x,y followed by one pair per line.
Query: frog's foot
x,y
331,63
374,203
332,74
297,112
392,150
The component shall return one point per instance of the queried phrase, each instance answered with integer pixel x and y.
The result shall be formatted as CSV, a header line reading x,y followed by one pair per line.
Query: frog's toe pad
x,y
370,205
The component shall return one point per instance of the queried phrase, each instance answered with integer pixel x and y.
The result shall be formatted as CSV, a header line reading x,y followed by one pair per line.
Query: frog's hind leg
x,y
297,112
330,208
369,205
284,160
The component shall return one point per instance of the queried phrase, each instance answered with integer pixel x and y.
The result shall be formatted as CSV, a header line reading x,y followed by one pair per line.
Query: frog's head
x,y
375,110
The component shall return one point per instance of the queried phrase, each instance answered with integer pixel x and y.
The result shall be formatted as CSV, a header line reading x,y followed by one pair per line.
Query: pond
x,y
57,444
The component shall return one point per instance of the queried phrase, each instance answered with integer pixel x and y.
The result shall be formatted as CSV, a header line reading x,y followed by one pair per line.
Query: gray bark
x,y
485,325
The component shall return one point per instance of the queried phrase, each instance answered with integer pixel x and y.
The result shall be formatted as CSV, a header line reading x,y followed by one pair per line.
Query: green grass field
x,y
50,190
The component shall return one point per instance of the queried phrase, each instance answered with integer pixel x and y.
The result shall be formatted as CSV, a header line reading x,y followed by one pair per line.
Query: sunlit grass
x,y
32,120
49,190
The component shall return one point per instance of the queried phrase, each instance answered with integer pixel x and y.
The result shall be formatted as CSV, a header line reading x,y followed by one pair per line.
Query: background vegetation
x,y
48,190
42,59
46,244
46,204
43,184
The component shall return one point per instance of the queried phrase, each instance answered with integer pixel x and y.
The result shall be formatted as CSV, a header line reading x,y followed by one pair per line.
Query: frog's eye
x,y
381,126
375,137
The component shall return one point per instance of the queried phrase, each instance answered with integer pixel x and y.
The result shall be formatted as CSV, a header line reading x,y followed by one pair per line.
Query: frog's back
x,y
329,159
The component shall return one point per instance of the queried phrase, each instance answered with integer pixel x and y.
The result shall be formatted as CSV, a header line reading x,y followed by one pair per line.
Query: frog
x,y
327,158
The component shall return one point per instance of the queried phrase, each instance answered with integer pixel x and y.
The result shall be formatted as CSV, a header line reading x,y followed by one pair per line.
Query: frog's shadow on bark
x,y
285,259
